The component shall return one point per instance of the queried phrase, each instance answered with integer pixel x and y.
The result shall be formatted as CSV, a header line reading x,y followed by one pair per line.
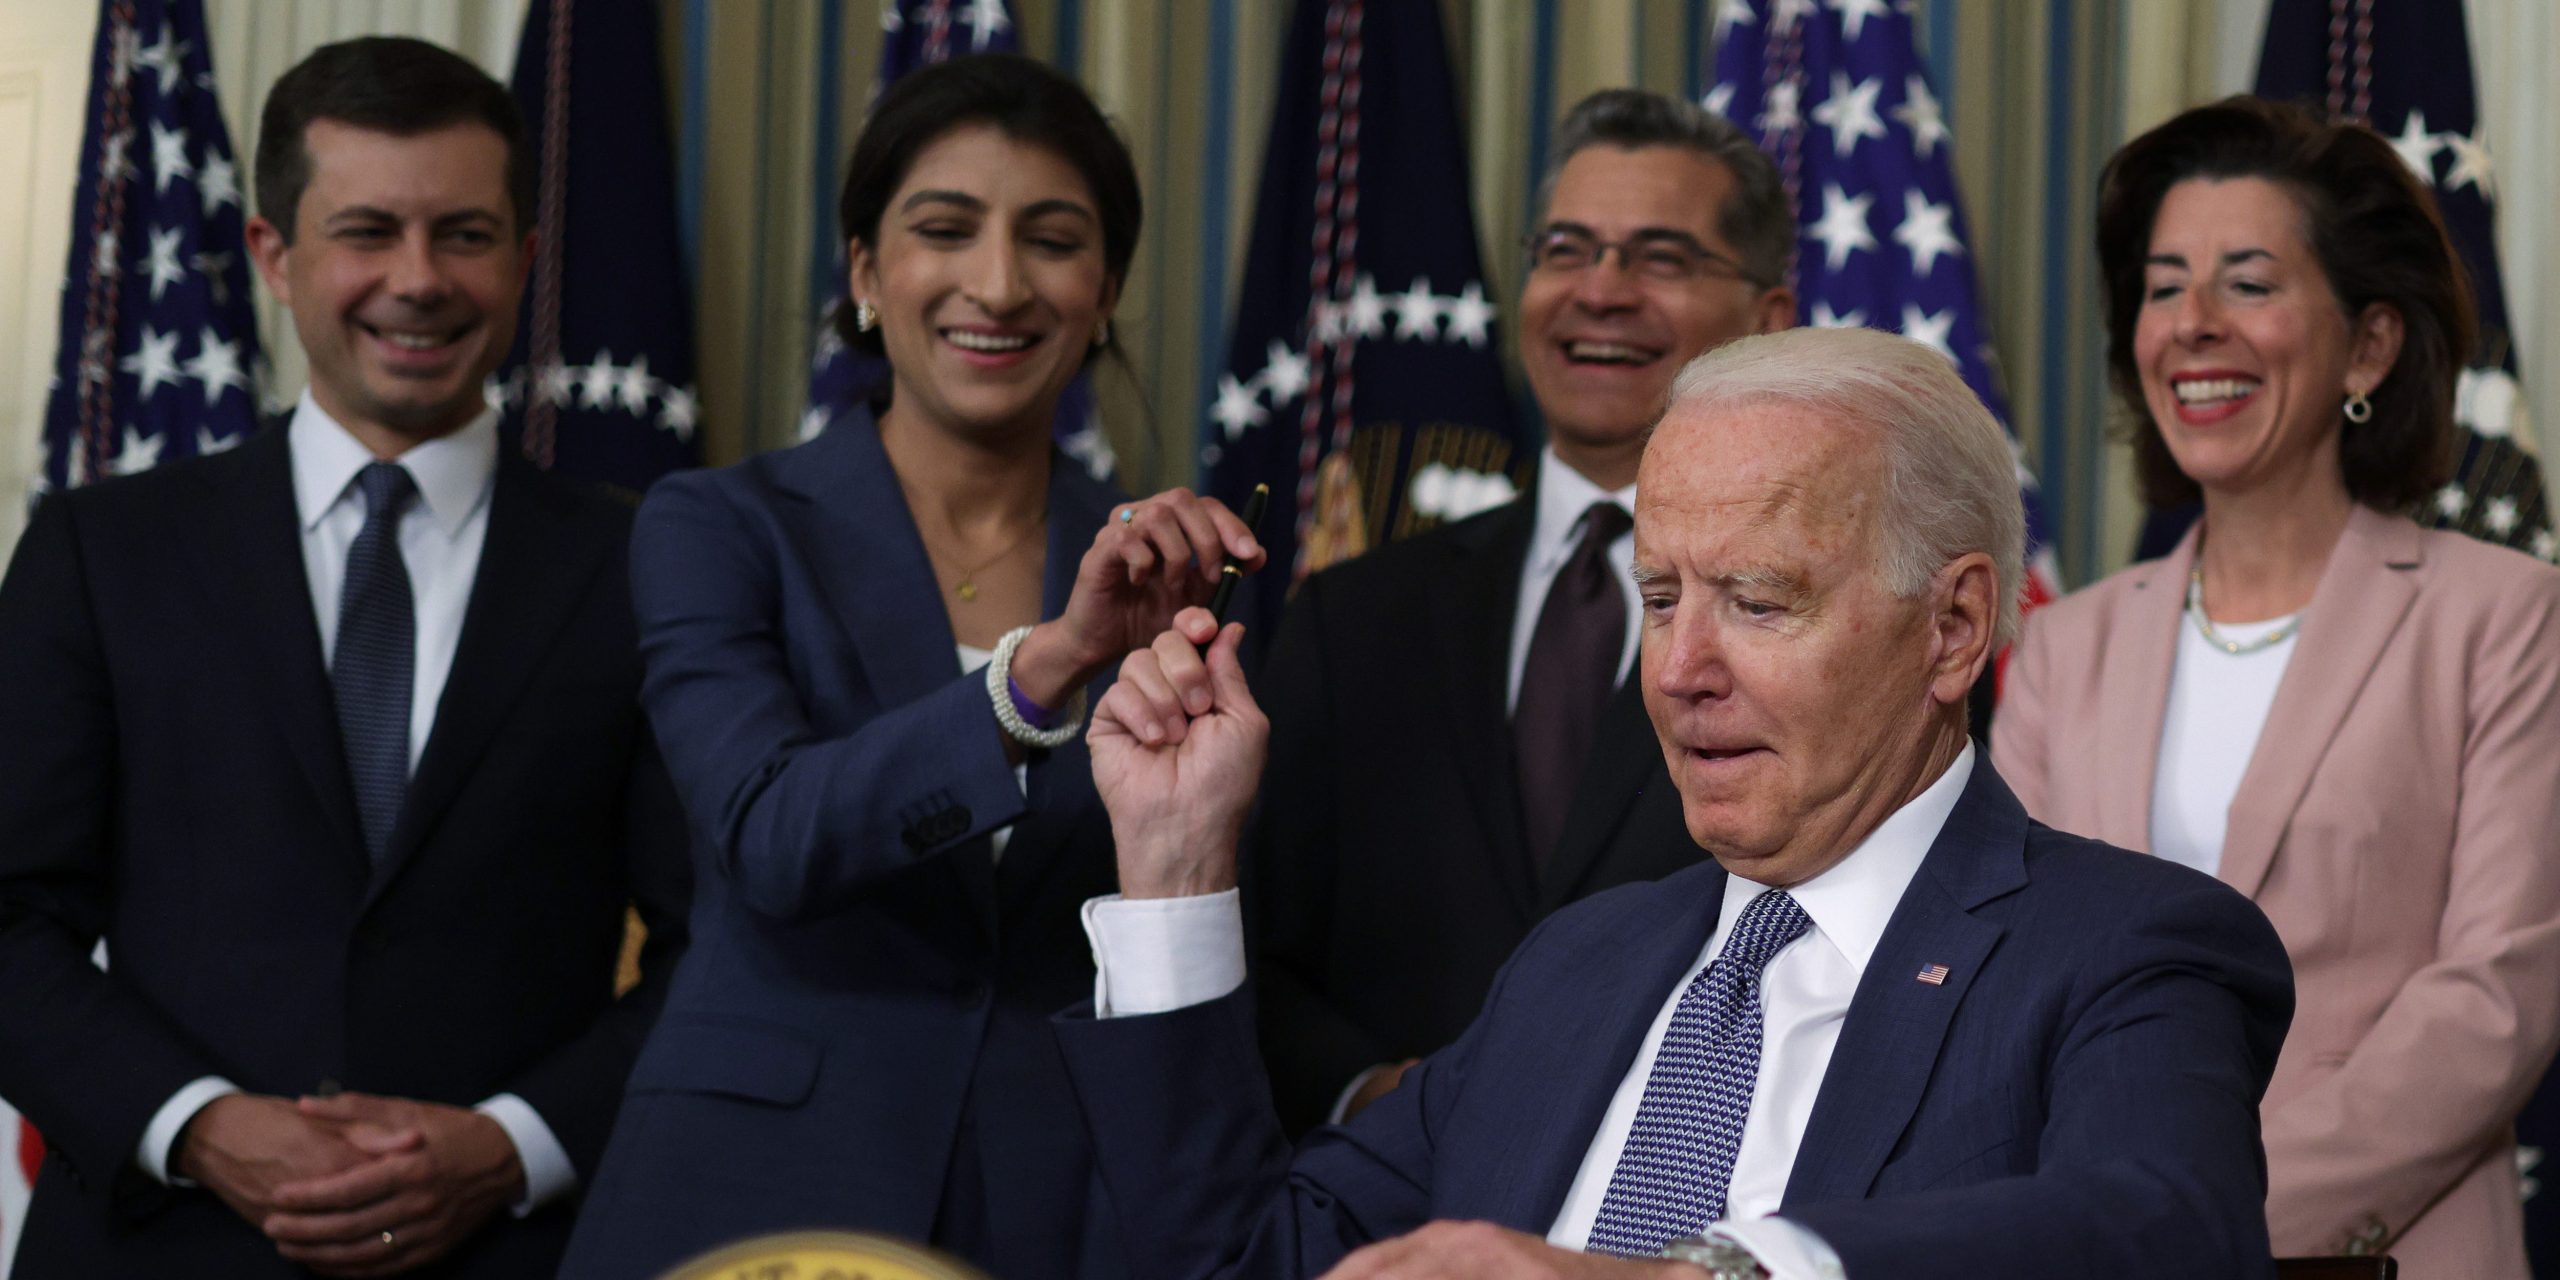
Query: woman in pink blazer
x,y
2352,720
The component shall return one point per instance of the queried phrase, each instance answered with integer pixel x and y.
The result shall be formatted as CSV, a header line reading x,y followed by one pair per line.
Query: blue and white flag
x,y
600,384
1364,376
1837,95
159,349
2406,70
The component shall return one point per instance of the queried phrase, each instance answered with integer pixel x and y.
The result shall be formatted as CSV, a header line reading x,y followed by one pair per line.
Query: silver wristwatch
x,y
1721,1259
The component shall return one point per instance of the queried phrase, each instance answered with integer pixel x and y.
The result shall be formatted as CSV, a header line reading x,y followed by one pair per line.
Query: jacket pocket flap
x,y
754,1060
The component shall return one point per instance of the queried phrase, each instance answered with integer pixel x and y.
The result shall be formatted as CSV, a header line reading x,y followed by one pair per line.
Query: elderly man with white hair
x,y
1894,1029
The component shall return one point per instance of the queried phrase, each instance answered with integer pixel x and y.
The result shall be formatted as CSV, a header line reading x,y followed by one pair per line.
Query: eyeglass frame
x,y
1707,258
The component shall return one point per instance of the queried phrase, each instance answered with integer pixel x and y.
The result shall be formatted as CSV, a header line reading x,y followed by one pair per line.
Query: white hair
x,y
1951,479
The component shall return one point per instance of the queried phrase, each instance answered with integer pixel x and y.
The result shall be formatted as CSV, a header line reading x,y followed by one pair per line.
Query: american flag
x,y
920,33
159,348
1364,376
1837,95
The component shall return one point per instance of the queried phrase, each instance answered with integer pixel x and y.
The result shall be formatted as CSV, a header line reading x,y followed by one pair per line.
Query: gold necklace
x,y
2204,625
967,587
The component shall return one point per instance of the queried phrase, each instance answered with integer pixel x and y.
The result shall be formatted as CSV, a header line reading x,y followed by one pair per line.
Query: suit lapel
x,y
1625,756
254,545
1059,782
2363,595
2142,655
1888,1047
862,547
538,563
1567,1074
1471,609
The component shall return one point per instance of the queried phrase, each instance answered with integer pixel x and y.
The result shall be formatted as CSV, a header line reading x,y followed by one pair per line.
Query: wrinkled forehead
x,y
1778,472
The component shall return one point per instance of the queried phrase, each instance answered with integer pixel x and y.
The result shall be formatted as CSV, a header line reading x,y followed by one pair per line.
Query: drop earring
x,y
864,318
1101,335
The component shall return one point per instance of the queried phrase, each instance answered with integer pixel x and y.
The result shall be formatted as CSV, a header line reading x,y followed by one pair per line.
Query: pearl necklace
x,y
2204,625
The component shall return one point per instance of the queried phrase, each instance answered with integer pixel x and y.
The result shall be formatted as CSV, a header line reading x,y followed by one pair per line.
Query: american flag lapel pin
x,y
1934,974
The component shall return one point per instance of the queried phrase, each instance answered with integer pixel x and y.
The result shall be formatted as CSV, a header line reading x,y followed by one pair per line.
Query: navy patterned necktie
x,y
1571,667
375,658
1671,1178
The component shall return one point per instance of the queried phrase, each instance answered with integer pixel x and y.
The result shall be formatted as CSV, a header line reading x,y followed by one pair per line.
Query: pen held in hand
x,y
1233,572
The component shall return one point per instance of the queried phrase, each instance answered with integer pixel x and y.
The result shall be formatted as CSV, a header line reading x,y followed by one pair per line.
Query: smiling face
x,y
1799,702
1601,345
402,277
989,281
2244,350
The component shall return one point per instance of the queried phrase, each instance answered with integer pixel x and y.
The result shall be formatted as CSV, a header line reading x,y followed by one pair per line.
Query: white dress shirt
x,y
2218,704
1163,954
1563,496
440,539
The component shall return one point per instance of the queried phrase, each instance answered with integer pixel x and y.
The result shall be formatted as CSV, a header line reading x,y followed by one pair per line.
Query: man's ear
x,y
1775,310
267,247
1964,617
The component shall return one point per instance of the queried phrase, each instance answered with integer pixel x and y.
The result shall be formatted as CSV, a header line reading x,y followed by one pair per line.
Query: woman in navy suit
x,y
867,661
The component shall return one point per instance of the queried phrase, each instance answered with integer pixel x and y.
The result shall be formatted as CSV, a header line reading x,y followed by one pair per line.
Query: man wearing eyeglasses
x,y
1419,817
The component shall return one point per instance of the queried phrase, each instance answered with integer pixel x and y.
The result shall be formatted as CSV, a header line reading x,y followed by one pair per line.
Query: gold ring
x,y
387,1242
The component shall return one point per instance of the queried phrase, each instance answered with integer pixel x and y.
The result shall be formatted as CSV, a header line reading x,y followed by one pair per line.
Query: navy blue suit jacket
x,y
859,1037
2079,1098
171,780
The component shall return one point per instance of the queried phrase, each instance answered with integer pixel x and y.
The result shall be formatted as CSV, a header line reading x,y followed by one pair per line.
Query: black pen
x,y
1233,573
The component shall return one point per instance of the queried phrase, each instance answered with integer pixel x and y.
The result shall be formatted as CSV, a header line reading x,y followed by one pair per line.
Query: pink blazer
x,y
2400,824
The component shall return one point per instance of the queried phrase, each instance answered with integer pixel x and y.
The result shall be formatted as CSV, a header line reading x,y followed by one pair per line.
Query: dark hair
x,y
1023,97
2377,237
389,84
1755,219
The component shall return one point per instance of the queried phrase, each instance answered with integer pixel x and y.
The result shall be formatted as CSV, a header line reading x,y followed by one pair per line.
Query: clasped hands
x,y
353,1184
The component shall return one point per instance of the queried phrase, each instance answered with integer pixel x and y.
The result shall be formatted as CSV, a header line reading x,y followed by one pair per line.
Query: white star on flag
x,y
2417,147
1783,113
1854,14
140,453
1787,13
812,421
1825,318
497,392
219,183
168,156
2500,516
2470,162
1367,314
1417,312
632,385
596,381
209,444
1286,374
1920,114
1731,14
1470,316
985,19
677,410
126,52
163,58
116,158
1850,112
1927,230
161,260
891,20
2545,544
155,362
1929,329
216,365
2451,501
1719,100
1236,410
1842,229
557,383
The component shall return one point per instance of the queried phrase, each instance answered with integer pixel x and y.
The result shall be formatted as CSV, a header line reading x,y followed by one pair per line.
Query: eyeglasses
x,y
1670,257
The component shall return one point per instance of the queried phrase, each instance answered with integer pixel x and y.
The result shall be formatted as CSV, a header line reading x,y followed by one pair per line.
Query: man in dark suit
x,y
334,740
1513,772
1896,1029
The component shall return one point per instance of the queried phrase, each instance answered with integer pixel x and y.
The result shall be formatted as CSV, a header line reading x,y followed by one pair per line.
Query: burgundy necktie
x,y
1572,667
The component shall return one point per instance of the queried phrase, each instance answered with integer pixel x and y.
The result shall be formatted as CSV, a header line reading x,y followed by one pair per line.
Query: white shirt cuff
x,y
548,1175
160,1136
1155,955
1785,1250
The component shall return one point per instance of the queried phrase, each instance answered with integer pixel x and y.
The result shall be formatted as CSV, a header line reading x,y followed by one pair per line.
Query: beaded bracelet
x,y
1000,693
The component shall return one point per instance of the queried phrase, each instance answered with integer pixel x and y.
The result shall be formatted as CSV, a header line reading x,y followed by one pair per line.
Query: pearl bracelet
x,y
1000,693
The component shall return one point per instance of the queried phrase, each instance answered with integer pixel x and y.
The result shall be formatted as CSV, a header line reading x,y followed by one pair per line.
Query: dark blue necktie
x,y
1671,1179
376,655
